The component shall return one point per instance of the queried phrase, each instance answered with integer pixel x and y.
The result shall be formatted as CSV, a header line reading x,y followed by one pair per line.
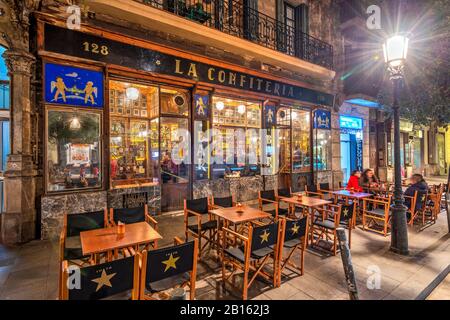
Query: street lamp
x,y
395,50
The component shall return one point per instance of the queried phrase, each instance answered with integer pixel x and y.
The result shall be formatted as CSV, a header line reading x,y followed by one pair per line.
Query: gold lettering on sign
x,y
232,79
268,87
291,92
259,83
210,74
276,89
177,66
242,82
192,70
221,76
251,83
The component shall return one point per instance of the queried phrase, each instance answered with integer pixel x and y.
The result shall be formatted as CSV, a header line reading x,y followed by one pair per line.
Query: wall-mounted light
x,y
220,105
132,93
75,123
241,109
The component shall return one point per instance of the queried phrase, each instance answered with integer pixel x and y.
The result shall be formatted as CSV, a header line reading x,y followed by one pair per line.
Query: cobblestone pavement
x,y
30,271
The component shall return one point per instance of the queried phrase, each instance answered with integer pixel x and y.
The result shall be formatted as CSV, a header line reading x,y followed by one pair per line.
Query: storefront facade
x,y
129,122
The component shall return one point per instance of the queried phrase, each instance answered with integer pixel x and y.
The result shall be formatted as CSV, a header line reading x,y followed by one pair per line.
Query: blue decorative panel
x,y
73,86
201,106
322,119
270,118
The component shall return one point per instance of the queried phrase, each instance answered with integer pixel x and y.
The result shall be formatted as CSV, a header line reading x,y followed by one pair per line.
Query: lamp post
x,y
395,50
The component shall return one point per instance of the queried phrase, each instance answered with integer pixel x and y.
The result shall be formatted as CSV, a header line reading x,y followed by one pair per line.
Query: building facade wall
x,y
323,25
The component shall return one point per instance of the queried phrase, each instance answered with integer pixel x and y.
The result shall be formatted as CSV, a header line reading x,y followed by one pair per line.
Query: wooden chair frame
x,y
313,193
328,212
64,291
214,206
291,210
274,202
255,265
210,239
133,250
62,246
286,262
412,209
368,219
191,283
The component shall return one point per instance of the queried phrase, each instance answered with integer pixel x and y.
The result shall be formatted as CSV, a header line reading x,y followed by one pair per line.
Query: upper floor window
x,y
4,82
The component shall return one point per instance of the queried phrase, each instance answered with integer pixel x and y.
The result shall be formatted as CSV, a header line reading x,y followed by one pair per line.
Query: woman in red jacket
x,y
353,182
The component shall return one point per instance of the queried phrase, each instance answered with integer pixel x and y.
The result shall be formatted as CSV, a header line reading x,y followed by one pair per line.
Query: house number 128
x,y
95,48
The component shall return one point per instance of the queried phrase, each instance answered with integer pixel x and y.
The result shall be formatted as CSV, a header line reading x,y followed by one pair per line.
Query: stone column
x,y
19,221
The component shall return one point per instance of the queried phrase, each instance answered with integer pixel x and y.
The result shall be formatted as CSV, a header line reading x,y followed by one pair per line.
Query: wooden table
x,y
106,239
232,215
306,202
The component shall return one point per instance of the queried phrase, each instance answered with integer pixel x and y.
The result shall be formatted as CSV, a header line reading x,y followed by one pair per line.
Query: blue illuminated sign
x,y
351,122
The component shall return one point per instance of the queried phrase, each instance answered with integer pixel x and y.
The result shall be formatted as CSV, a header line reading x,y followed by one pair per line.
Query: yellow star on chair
x,y
265,236
104,280
345,212
170,263
295,228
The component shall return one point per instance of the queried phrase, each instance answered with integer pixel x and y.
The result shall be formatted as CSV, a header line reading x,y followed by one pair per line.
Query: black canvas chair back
x,y
226,202
284,193
347,212
264,236
102,280
169,262
79,222
198,205
129,215
267,194
311,187
324,186
295,229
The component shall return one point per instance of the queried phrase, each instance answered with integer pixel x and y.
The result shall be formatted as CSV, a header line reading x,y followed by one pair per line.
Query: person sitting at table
x,y
417,183
369,180
353,182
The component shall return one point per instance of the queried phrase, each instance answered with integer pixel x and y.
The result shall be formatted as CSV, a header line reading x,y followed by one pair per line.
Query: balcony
x,y
233,18
230,26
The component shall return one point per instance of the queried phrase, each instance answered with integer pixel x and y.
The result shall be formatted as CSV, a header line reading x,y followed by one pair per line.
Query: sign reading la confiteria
x,y
92,47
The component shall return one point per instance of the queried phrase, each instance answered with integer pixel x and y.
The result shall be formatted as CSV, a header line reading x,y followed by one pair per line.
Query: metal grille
x,y
232,17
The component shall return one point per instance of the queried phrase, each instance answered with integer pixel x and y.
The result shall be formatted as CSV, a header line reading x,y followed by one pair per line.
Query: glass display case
x,y
236,138
132,135
73,150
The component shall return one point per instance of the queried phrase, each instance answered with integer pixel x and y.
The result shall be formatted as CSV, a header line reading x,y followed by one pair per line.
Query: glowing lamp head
x,y
220,105
132,93
395,50
241,109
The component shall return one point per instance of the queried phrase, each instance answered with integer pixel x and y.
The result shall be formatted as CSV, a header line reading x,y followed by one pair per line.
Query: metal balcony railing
x,y
232,17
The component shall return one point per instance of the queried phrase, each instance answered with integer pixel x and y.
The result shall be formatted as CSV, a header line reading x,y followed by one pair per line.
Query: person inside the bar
x,y
369,180
353,182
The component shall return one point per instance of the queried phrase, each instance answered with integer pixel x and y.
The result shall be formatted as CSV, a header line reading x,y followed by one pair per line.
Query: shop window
x,y
73,150
175,150
201,150
132,135
236,138
322,150
174,102
301,141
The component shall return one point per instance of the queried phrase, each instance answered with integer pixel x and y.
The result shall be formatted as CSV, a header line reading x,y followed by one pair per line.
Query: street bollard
x,y
347,263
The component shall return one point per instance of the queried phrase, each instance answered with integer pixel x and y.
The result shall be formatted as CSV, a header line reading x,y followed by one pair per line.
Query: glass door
x,y
175,157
